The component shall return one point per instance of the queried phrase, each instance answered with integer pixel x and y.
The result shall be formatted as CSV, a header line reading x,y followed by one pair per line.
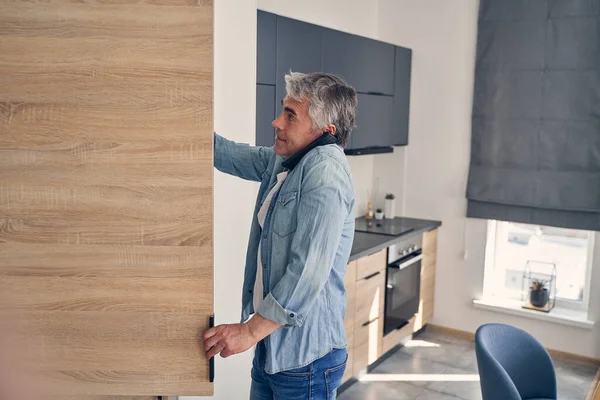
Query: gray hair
x,y
331,101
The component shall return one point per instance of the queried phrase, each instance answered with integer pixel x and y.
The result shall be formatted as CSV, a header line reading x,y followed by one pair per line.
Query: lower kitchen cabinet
x,y
368,340
365,284
425,313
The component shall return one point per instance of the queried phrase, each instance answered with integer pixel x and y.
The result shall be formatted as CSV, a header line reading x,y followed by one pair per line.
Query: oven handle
x,y
407,263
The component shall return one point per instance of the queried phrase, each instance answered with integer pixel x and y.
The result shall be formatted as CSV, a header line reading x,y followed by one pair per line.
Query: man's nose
x,y
277,122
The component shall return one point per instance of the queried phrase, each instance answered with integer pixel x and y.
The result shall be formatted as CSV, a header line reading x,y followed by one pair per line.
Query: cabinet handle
x,y
372,275
369,322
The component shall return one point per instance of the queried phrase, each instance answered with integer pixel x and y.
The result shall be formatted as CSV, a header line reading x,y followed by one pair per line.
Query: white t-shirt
x,y
262,214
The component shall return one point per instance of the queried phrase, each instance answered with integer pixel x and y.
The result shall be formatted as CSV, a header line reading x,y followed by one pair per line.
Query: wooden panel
x,y
350,276
368,265
370,296
426,302
393,338
594,393
369,331
350,362
106,199
350,285
367,344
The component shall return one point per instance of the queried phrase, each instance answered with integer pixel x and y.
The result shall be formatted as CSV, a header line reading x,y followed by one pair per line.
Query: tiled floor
x,y
438,367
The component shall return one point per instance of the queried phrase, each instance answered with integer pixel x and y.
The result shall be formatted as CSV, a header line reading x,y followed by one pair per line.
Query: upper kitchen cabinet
x,y
265,114
266,48
299,47
403,59
368,65
373,122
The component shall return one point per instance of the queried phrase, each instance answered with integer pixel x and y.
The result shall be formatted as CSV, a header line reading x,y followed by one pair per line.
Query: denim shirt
x,y
306,243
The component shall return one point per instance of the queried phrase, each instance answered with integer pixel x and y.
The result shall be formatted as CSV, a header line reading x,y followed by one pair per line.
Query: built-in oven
x,y
403,285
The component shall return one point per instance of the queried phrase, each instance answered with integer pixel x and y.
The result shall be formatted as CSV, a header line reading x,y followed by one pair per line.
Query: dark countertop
x,y
368,243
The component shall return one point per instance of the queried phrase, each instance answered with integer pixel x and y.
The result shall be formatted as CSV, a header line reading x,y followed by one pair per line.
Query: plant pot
x,y
538,298
379,215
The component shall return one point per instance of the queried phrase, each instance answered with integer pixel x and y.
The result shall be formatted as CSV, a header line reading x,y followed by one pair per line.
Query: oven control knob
x,y
404,252
414,248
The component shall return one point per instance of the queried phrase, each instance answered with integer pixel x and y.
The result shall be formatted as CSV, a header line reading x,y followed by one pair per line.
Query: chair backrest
x,y
513,365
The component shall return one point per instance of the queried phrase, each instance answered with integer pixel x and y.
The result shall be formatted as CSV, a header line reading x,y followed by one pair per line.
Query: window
x,y
510,246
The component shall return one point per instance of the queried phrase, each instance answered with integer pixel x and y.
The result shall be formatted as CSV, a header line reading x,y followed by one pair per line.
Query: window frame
x,y
491,286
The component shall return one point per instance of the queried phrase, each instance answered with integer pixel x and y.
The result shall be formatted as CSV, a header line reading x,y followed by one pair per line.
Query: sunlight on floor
x,y
420,343
420,378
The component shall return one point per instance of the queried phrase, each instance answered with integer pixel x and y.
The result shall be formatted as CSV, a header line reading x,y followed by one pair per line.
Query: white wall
x,y
235,105
442,35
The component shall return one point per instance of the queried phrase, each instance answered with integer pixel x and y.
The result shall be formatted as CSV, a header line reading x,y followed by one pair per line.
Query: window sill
x,y
564,316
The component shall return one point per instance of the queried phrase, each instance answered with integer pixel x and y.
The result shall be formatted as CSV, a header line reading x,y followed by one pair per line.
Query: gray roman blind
x,y
535,147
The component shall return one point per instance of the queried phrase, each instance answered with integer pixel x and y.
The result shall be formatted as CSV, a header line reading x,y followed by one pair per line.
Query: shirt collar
x,y
325,138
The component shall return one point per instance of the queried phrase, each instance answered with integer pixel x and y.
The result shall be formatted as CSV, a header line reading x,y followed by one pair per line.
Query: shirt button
x,y
265,236
264,265
264,294
270,208
292,315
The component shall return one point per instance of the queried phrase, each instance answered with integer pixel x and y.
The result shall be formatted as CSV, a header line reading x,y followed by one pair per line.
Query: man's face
x,y
293,128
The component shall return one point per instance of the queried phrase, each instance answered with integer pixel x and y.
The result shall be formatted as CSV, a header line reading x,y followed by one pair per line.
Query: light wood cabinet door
x,y
393,338
368,344
366,266
350,285
370,296
426,303
348,373
106,195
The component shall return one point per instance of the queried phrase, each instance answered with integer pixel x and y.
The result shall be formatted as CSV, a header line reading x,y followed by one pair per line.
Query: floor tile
x,y
381,391
467,388
432,395
439,367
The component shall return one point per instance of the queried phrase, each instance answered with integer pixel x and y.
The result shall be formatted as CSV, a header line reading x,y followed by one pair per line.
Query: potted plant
x,y
379,213
538,293
390,206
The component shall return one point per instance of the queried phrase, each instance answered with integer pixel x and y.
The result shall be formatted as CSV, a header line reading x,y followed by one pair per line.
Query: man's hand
x,y
231,339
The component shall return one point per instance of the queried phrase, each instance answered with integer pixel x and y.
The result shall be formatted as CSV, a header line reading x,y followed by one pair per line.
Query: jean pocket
x,y
302,372
333,379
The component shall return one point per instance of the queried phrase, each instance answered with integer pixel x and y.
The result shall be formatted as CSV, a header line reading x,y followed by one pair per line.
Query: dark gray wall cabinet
x,y
266,48
298,50
401,108
380,73
367,64
373,122
265,114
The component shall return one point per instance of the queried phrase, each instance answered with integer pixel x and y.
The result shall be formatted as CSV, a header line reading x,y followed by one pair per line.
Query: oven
x,y
403,285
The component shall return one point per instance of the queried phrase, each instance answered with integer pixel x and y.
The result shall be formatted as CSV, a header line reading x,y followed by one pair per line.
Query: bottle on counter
x,y
369,214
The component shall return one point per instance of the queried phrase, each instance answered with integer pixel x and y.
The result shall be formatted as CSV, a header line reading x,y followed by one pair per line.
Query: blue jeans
x,y
316,381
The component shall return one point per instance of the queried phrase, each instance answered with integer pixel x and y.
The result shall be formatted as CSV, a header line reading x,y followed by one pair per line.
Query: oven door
x,y
402,291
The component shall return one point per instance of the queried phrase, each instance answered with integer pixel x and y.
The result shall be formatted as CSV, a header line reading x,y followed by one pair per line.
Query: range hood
x,y
369,150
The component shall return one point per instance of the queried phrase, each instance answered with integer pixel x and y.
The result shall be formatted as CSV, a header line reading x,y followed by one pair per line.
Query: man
x,y
299,245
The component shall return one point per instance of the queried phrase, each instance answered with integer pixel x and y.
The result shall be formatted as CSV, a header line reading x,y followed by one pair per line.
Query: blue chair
x,y
513,365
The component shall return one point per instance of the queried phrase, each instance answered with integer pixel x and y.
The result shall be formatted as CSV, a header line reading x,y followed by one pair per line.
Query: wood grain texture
x,y
393,338
350,286
350,361
106,194
594,393
370,264
370,297
368,345
426,302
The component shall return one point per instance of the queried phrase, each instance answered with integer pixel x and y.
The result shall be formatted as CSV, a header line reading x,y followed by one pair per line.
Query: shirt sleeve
x,y
324,205
240,159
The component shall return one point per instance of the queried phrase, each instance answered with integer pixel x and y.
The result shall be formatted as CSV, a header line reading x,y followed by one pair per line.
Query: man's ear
x,y
331,129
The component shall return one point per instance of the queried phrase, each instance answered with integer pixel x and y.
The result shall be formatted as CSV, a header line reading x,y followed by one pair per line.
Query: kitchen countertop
x,y
366,243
